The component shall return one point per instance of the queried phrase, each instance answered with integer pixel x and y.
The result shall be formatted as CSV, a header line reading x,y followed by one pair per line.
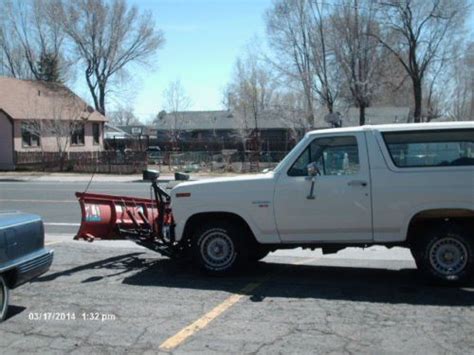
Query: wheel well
x,y
206,217
10,277
425,220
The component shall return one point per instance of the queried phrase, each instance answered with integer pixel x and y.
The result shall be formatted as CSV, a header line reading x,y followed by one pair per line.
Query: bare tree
x,y
288,107
432,104
12,61
416,32
461,88
11,58
175,101
360,56
123,116
32,41
297,31
108,36
249,94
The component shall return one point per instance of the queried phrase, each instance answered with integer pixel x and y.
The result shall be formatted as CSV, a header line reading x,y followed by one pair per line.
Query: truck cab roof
x,y
398,127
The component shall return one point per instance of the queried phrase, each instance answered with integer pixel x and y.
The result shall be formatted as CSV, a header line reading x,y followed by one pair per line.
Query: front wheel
x,y
3,298
219,248
446,255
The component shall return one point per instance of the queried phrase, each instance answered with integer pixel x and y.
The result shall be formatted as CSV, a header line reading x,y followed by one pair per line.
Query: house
x,y
277,130
40,117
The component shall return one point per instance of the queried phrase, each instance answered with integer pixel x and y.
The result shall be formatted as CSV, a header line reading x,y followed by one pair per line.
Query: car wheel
x,y
258,253
3,298
446,255
219,248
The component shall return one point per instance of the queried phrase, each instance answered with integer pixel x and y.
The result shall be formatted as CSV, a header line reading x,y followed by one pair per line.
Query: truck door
x,y
339,210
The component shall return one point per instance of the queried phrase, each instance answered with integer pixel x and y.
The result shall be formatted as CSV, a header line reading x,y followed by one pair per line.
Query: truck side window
x,y
431,148
332,155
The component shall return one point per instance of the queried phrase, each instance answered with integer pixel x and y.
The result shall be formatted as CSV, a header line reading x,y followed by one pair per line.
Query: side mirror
x,y
151,175
313,170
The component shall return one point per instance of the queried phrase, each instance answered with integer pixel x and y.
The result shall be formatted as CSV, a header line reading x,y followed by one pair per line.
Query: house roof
x,y
377,115
274,119
29,99
113,132
220,120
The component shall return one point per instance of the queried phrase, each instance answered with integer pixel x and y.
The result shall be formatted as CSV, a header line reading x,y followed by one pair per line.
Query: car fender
x,y
427,207
264,236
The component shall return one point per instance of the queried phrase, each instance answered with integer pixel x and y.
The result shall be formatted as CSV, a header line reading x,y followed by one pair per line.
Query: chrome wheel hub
x,y
448,256
217,250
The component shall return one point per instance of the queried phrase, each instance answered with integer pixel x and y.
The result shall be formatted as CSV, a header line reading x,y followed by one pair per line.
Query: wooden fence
x,y
116,162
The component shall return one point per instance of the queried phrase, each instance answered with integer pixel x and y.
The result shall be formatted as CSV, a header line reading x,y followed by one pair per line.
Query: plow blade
x,y
113,217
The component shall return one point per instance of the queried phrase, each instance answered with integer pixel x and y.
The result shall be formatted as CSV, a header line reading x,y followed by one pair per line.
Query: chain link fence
x,y
215,161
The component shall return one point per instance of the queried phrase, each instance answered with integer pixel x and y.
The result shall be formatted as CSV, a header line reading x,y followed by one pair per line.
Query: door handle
x,y
357,183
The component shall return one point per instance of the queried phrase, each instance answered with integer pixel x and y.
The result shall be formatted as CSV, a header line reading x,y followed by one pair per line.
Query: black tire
x,y
4,294
219,247
445,255
258,253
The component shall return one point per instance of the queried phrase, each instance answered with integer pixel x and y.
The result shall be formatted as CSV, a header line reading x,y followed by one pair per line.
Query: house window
x,y
77,135
96,133
28,137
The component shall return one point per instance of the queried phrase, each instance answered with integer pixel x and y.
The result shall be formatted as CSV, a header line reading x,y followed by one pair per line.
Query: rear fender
x,y
435,211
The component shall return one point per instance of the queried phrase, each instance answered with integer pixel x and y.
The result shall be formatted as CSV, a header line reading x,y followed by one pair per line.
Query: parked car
x,y
22,253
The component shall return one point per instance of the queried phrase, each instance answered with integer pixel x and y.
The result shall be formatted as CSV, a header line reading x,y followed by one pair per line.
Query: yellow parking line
x,y
177,339
51,243
202,322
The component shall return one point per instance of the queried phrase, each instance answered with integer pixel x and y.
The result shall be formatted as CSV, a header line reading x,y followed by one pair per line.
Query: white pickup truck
x,y
409,185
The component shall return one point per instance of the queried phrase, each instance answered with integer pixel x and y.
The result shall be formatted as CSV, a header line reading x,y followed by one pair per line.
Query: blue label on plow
x,y
92,213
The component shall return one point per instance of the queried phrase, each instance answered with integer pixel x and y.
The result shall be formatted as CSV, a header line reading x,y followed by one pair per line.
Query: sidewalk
x,y
83,177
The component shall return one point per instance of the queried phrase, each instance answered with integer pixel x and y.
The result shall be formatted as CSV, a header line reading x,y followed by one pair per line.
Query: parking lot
x,y
115,297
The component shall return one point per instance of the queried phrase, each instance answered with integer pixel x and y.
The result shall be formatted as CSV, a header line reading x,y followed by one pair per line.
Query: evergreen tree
x,y
48,68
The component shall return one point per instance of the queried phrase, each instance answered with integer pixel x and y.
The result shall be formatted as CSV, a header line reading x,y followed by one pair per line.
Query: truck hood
x,y
226,184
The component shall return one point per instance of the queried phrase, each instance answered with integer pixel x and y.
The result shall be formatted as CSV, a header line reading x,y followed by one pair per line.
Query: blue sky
x,y
203,40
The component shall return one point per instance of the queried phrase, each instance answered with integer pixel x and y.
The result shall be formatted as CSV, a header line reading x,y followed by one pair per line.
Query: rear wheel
x,y
219,247
445,255
3,298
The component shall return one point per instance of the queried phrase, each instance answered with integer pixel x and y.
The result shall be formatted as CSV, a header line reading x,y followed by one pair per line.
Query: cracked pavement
x,y
351,302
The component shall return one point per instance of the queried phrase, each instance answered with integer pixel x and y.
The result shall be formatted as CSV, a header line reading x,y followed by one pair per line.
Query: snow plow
x,y
147,222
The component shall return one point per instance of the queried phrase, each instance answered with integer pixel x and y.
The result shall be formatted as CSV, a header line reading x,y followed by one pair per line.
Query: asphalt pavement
x,y
114,297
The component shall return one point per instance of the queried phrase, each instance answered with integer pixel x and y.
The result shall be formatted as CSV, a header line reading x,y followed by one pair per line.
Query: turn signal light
x,y
183,194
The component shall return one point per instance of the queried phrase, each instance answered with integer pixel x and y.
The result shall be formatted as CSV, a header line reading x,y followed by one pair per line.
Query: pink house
x,y
38,116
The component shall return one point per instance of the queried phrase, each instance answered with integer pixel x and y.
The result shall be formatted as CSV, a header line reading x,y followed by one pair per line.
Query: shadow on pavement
x,y
311,281
14,310
122,263
359,284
